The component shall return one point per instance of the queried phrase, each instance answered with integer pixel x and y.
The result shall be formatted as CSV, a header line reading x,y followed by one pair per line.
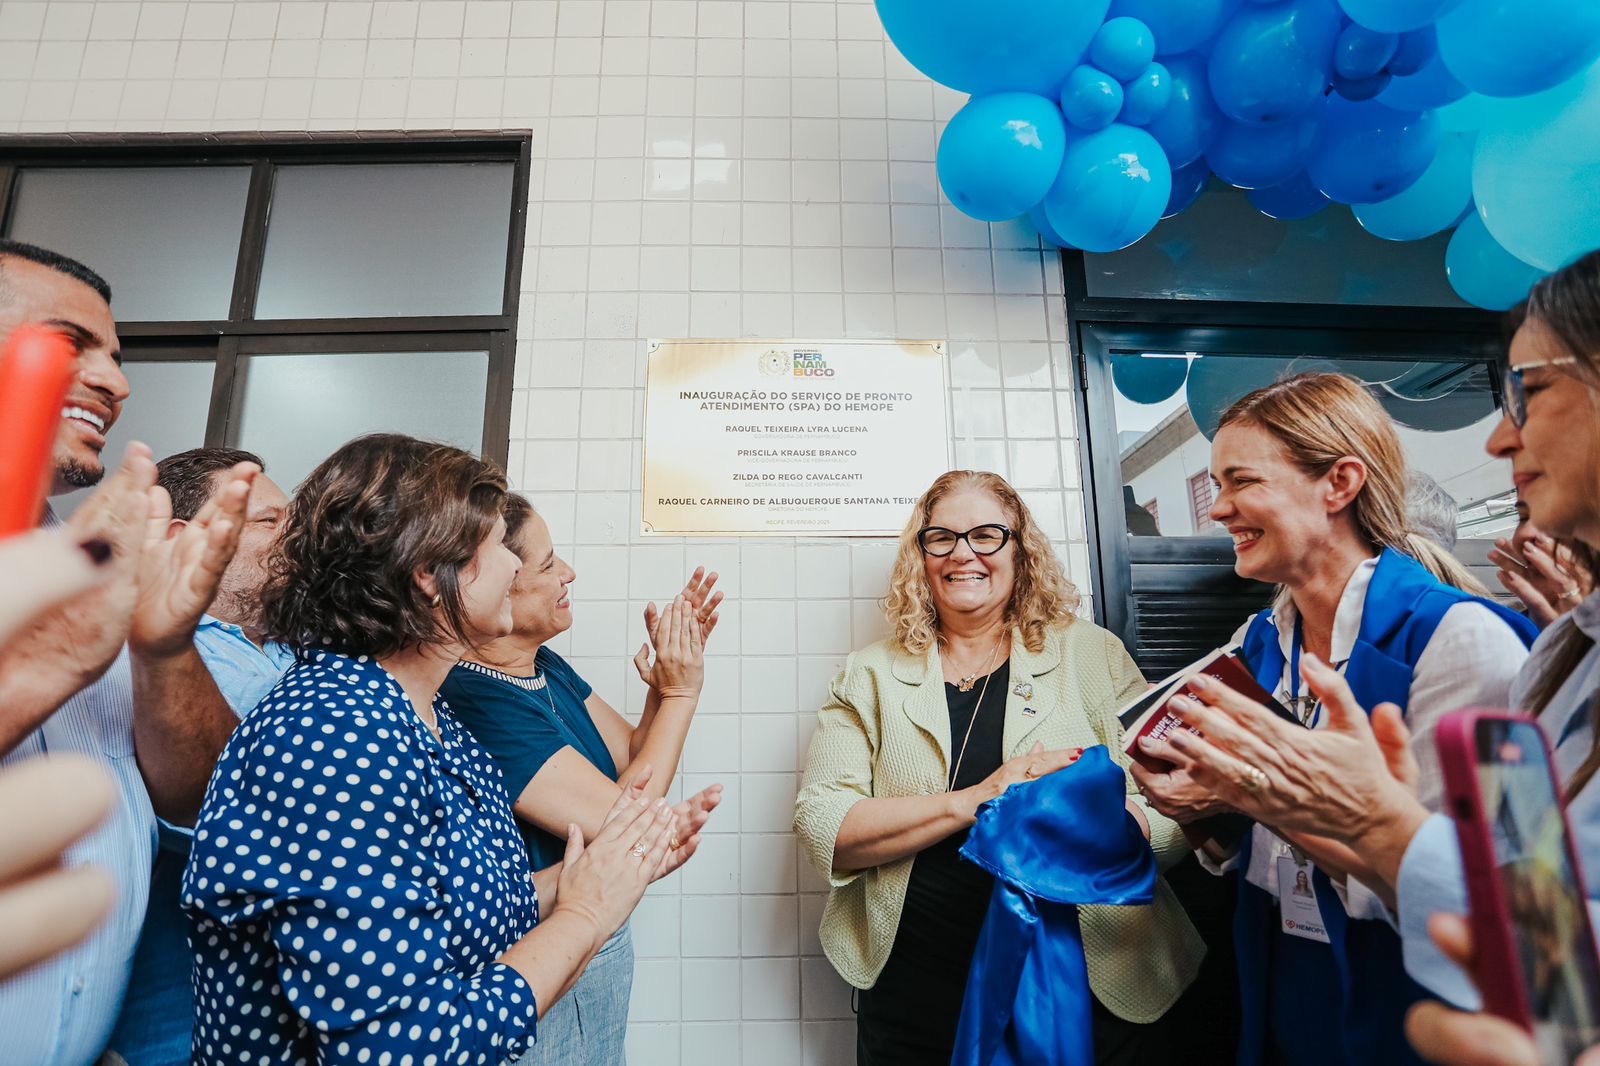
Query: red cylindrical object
x,y
36,369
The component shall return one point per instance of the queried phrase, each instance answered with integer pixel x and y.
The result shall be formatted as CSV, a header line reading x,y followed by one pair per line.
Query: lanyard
x,y
1312,717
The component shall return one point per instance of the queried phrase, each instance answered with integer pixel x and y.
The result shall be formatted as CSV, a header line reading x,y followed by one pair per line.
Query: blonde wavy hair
x,y
1042,596
1321,418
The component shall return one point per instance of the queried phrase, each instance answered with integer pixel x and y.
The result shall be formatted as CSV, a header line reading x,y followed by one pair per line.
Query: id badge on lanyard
x,y
1299,914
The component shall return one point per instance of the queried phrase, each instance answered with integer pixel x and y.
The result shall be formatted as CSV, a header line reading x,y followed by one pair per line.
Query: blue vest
x,y
1361,972
1052,845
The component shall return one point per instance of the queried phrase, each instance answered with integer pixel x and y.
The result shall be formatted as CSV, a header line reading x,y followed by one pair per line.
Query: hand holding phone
x,y
1536,956
35,370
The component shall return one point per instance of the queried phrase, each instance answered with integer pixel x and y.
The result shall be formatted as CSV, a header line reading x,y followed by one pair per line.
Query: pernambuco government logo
x,y
776,363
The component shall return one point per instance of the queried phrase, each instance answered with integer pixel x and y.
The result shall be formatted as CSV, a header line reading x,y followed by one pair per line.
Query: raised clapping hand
x,y
680,665
692,815
604,881
698,592
1543,575
178,576
1457,1038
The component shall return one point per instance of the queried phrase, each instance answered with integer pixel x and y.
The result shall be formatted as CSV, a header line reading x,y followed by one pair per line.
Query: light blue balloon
x,y
1482,272
999,154
1294,199
1186,126
1434,203
1144,97
1113,186
1517,47
1091,98
1179,25
1536,173
1272,63
1122,47
1368,152
1395,16
1252,157
1187,185
1361,53
996,45
1467,113
1036,216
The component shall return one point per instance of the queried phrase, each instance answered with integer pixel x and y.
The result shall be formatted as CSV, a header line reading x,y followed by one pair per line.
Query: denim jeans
x,y
588,1025
157,1019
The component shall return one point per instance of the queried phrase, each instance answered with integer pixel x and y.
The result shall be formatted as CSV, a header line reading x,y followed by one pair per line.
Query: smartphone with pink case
x,y
1537,963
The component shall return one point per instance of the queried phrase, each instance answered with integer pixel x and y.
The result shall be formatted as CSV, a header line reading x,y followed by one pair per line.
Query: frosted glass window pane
x,y
166,410
1167,412
166,238
295,410
1222,248
387,240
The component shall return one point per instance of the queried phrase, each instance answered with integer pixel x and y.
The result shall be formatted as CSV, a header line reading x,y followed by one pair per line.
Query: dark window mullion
x,y
252,242
497,402
219,417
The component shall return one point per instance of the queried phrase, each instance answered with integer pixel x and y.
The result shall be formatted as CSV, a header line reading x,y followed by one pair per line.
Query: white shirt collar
x,y
1346,619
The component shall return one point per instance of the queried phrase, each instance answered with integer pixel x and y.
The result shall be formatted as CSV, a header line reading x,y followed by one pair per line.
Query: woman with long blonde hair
x,y
988,680
1311,483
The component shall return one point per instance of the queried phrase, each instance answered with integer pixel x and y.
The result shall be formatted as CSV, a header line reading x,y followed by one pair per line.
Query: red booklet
x,y
1147,715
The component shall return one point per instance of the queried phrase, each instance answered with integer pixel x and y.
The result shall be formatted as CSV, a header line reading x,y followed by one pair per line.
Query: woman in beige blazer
x,y
988,680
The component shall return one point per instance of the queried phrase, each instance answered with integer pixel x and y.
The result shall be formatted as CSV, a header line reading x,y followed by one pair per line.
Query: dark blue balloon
x,y
1178,25
1362,88
996,45
1272,63
1368,152
1091,98
1361,52
1187,185
1000,154
1122,47
1255,156
1295,198
1216,381
1187,124
1145,380
1114,184
1413,51
1144,97
1432,86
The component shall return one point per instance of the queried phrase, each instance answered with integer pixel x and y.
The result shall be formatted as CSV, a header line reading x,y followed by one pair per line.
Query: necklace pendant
x,y
966,683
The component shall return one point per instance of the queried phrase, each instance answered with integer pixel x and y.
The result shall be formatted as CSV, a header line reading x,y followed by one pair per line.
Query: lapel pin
x,y
1029,711
1025,690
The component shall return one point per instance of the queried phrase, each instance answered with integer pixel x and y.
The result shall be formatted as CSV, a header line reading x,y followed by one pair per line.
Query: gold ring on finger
x,y
1572,593
1254,779
638,850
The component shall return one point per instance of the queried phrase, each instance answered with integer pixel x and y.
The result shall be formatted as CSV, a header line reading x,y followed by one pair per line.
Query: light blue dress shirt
x,y
1431,877
158,1016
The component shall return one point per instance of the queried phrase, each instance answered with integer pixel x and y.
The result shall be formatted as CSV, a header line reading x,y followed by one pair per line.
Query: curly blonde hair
x,y
1042,596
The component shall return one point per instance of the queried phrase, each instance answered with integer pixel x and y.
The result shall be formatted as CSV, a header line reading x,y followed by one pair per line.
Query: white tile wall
x,y
710,168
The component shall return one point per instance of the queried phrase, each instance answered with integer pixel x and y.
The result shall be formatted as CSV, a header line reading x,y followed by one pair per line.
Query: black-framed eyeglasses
x,y
983,540
1515,393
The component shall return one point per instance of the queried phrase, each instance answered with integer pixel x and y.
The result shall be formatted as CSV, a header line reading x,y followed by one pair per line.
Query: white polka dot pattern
x,y
353,880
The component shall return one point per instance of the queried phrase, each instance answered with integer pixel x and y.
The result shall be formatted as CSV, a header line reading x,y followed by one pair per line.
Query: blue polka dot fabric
x,y
353,880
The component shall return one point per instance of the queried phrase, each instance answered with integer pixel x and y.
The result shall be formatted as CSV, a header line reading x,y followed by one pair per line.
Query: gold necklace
x,y
965,683
982,692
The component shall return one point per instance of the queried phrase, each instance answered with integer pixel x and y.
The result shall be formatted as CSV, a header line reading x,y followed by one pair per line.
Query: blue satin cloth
x,y
1052,845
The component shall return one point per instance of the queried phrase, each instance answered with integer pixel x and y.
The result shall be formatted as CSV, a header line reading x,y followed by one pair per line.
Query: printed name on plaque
x,y
791,437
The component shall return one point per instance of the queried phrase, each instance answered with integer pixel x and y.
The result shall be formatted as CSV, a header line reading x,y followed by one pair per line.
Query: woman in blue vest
x,y
1311,484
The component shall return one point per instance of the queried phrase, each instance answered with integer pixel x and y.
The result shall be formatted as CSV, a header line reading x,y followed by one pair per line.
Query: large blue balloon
x,y
1394,16
1179,25
1517,47
1146,379
1188,182
1000,154
1536,173
996,45
1434,203
1294,199
1359,89
1413,51
1361,52
1144,97
1122,47
1252,157
1367,152
1430,85
1482,272
1036,215
1113,186
1272,63
1091,98
1186,126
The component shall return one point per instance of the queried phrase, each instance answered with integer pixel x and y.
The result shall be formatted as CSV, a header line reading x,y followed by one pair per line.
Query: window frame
x,y
222,341
1096,326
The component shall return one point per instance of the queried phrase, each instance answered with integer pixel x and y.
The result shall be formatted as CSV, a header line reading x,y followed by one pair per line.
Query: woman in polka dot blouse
x,y
358,890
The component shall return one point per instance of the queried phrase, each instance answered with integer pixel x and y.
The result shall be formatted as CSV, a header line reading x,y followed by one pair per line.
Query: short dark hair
x,y
189,476
61,264
363,524
517,511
